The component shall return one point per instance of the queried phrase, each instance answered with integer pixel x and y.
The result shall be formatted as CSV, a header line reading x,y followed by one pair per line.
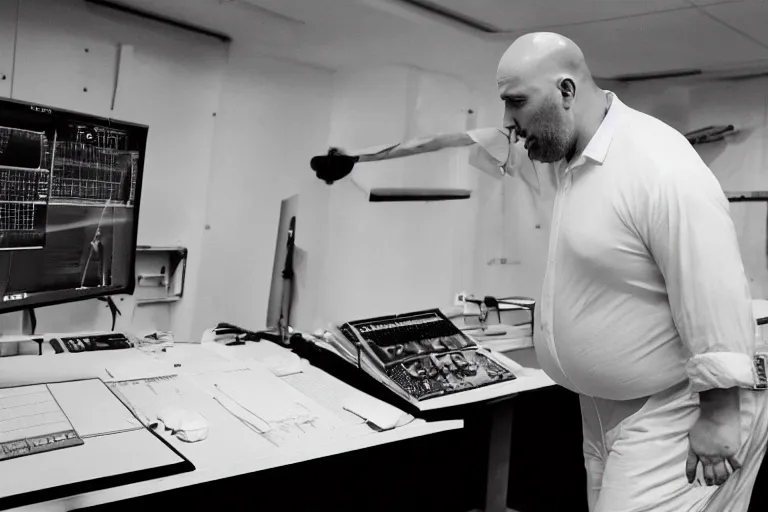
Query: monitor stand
x,y
16,331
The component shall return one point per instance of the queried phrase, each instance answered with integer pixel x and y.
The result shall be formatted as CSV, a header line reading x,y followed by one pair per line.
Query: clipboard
x,y
117,450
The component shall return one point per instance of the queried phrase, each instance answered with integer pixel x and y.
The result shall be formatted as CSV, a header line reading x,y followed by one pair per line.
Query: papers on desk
x,y
113,447
272,408
92,408
279,360
378,413
254,397
147,397
347,402
28,412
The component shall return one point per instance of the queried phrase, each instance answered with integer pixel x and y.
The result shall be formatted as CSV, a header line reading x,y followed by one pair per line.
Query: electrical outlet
x,y
459,298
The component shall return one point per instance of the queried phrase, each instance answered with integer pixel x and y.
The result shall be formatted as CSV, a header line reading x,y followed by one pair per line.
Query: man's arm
x,y
417,146
337,164
693,240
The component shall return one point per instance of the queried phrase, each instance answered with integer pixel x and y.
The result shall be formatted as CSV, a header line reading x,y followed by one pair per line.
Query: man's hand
x,y
333,166
715,438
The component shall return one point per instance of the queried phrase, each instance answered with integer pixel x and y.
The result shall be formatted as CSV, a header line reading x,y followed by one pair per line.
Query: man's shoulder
x,y
651,154
642,126
653,142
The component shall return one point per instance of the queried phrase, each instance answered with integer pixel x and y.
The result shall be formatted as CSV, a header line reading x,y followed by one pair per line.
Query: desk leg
x,y
498,457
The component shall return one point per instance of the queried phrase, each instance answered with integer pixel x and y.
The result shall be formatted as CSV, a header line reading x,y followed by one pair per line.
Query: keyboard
x,y
91,342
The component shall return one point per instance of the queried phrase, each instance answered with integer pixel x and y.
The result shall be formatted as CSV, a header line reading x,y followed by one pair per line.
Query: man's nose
x,y
509,119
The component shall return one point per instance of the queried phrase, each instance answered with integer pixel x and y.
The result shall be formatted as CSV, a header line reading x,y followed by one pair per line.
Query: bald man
x,y
646,309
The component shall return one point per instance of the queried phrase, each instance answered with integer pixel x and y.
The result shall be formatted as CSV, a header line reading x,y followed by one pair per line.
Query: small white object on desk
x,y
376,412
186,424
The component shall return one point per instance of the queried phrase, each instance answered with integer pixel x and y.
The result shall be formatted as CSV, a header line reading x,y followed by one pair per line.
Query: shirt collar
x,y
597,148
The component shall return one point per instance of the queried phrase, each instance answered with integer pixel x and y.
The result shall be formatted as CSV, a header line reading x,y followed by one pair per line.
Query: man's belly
x,y
622,352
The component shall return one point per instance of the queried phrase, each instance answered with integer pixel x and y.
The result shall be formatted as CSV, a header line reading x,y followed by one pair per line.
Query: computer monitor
x,y
70,188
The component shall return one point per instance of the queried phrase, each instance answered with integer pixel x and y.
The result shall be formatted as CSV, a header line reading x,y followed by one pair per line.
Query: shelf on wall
x,y
755,195
161,300
160,272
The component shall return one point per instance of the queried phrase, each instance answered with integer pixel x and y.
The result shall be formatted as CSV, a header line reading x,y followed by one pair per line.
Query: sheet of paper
x,y
376,412
135,364
30,411
190,359
92,408
292,417
226,433
326,390
279,360
148,397
349,403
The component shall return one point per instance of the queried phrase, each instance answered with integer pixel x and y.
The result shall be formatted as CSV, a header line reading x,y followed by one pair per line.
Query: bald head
x,y
542,56
550,96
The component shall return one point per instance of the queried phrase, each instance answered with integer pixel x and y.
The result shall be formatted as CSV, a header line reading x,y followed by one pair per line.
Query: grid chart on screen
x,y
94,169
17,217
23,188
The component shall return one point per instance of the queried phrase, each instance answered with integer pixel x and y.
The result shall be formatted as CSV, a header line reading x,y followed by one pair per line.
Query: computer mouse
x,y
186,424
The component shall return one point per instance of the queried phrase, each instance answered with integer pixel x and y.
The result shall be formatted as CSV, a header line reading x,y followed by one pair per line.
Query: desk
x,y
500,399
214,466
208,466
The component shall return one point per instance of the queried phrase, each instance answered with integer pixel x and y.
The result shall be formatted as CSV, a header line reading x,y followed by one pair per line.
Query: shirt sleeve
x,y
494,141
693,240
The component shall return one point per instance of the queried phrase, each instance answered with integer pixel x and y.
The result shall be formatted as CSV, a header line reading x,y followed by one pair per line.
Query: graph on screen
x,y
24,188
91,167
94,167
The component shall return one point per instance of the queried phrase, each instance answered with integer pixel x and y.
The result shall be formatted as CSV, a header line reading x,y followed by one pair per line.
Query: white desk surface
x,y
235,465
220,456
223,455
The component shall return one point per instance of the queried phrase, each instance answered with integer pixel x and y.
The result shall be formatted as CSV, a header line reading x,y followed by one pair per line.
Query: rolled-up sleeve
x,y
494,141
693,240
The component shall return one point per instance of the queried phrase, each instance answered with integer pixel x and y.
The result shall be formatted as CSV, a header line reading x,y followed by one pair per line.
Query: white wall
x,y
273,118
385,258
170,83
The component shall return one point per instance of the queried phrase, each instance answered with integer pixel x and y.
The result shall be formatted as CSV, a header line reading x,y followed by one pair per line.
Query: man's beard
x,y
552,141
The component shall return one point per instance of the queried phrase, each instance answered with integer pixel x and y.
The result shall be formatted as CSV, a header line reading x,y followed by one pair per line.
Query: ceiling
x,y
466,38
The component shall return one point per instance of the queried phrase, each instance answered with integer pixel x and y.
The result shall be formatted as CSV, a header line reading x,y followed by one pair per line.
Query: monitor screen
x,y
70,186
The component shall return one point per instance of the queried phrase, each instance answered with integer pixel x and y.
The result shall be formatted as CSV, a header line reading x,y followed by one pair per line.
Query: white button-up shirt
x,y
645,285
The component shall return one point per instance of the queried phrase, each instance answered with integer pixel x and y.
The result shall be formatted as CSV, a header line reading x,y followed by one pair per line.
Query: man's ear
x,y
568,89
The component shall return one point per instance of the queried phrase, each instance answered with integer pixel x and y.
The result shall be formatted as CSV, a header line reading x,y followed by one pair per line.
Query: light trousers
x,y
635,453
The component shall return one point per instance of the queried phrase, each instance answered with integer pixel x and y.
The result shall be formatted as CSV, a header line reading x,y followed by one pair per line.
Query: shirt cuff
x,y
721,370
495,141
